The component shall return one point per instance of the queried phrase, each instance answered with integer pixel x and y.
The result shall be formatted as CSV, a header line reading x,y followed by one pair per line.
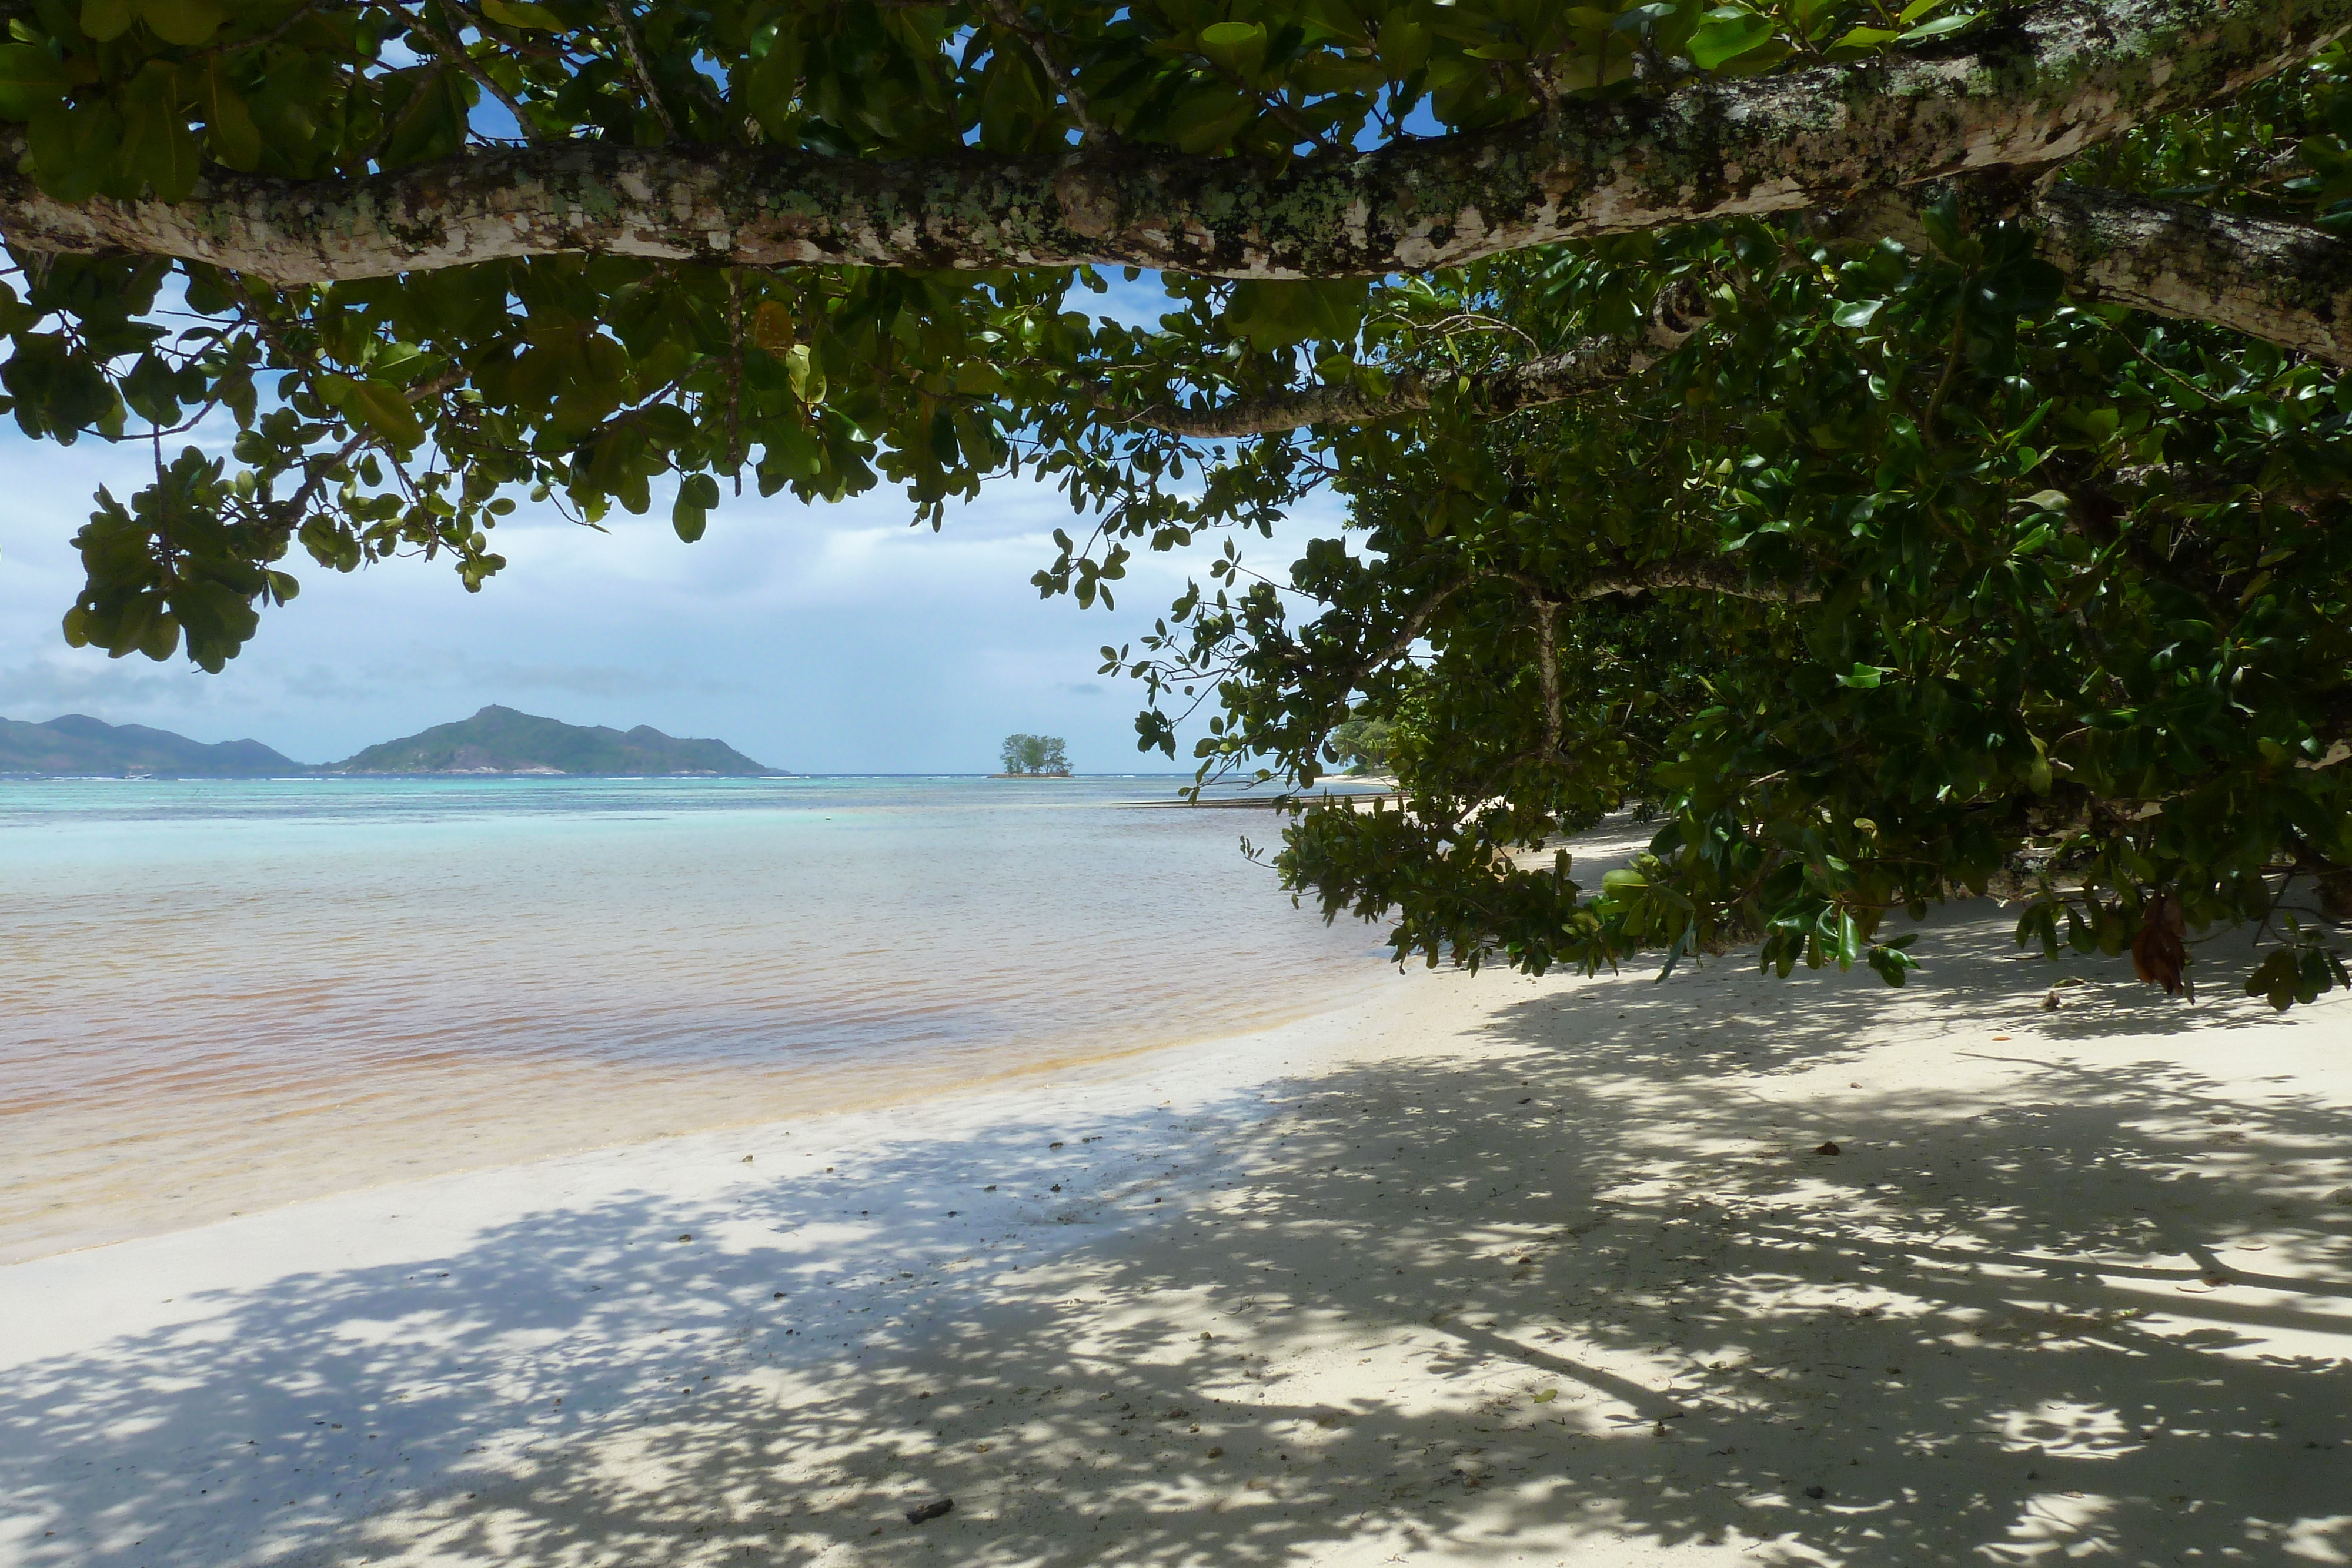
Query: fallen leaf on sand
x,y
1828,1149
929,1510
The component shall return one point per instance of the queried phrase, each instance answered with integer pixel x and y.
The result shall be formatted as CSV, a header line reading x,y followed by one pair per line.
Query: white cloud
x,y
814,638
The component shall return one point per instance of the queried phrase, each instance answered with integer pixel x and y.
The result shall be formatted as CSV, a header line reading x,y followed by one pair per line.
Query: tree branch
x,y
1680,309
627,32
1530,383
1704,574
1007,15
2283,282
455,52
2039,91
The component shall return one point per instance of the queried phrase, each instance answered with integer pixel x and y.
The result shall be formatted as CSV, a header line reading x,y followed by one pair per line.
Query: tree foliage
x,y
1036,755
1900,448
1362,744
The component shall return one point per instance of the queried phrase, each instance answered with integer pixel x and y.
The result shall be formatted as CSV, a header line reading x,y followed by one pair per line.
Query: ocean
x,y
222,995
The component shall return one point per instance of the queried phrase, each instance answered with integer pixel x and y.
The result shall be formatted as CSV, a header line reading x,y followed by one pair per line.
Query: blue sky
x,y
819,639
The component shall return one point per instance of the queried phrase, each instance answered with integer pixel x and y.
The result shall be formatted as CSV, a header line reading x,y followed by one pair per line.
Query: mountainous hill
x,y
79,743
500,741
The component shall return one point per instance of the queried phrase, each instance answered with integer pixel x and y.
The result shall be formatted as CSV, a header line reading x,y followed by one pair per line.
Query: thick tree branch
x,y
1704,574
2281,282
2036,94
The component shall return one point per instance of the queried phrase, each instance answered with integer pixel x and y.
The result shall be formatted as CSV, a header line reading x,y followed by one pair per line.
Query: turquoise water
x,y
221,995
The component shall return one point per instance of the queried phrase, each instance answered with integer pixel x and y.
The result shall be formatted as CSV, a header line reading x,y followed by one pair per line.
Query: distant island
x,y
495,741
1035,756
76,744
501,740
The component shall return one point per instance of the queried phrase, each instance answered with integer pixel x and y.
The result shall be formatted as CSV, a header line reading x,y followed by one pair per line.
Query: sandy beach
x,y
1475,1269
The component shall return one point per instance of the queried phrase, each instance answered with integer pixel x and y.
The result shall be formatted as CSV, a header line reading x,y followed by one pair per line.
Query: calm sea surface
x,y
218,996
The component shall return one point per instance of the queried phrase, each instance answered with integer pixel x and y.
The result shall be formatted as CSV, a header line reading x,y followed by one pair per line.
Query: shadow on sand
x,y
1976,1334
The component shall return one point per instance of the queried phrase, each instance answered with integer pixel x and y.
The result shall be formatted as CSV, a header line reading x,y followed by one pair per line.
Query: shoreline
x,y
663,1112
1469,1266
217,1017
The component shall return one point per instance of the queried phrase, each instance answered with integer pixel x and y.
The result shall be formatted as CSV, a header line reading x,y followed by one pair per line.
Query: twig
x,y
1943,382
456,55
1008,15
314,477
272,36
628,36
735,377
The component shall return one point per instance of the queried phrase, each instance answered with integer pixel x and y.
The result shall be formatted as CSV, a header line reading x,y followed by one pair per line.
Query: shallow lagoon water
x,y
219,996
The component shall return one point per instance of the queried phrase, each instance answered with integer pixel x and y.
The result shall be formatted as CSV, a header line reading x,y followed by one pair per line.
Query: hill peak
x,y
75,743
501,739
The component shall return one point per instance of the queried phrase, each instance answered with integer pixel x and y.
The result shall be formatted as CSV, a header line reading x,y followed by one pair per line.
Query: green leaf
x,y
1939,26
1207,118
236,138
767,89
1238,47
690,514
1727,34
807,378
1892,963
106,20
1941,220
383,410
1275,315
1404,46
1866,38
522,13
74,149
160,639
186,23
794,453
31,79
159,147
1858,313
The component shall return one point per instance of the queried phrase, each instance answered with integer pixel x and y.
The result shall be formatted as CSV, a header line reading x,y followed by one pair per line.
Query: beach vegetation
x,y
1901,450
1036,756
1361,744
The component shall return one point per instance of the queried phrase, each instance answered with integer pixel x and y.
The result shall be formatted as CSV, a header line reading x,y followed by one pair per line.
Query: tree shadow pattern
x,y
1585,1287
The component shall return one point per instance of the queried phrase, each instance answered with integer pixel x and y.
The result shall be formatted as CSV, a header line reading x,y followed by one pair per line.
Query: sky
x,y
818,639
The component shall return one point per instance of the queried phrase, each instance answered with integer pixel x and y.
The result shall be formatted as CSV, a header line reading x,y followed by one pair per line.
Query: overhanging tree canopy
x,y
1765,412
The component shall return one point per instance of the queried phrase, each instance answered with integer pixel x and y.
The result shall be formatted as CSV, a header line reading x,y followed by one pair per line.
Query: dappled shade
x,y
1979,1331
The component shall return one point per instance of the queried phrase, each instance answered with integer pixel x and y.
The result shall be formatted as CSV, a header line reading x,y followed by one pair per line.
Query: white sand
x,y
1479,1271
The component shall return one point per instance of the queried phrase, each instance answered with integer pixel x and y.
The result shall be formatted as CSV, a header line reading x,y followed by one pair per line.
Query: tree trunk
x,y
2032,95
